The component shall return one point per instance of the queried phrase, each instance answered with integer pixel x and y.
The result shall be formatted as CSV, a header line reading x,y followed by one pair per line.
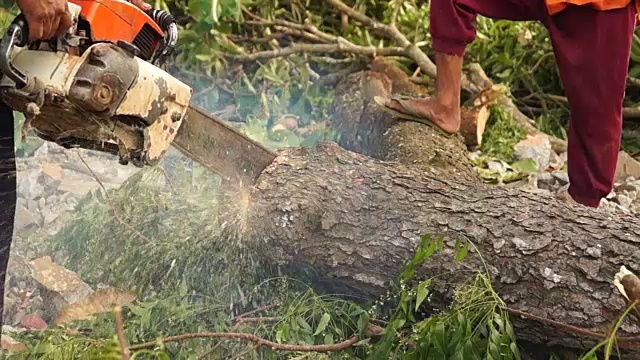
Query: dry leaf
x,y
11,345
33,322
53,170
628,284
98,302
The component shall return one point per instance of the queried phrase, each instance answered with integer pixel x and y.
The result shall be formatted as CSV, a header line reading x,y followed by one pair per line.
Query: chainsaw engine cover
x,y
107,100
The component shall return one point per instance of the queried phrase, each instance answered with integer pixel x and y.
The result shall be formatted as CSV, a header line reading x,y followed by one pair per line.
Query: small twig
x,y
333,61
392,33
299,33
539,62
124,352
264,319
255,40
243,353
242,318
627,112
396,9
308,26
319,48
254,338
633,81
421,81
329,43
255,311
571,328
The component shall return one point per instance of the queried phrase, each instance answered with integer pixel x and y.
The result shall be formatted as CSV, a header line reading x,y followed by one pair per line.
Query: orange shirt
x,y
555,6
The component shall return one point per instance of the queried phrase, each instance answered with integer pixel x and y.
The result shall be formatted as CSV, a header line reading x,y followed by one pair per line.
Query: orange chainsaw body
x,y
118,20
99,86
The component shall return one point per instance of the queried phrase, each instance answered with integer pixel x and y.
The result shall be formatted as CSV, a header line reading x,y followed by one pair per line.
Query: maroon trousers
x,y
592,49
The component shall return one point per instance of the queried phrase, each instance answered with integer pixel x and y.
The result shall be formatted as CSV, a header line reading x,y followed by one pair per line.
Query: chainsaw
x,y
100,86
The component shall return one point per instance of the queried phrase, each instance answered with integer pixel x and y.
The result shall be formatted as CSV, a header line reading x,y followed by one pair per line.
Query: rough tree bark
x,y
353,220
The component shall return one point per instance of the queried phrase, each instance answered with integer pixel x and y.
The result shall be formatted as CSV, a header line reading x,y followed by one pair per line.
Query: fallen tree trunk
x,y
354,221
365,129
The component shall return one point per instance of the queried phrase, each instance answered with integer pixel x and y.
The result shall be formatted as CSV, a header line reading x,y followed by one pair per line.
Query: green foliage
x,y
516,53
476,326
634,70
144,321
502,134
164,239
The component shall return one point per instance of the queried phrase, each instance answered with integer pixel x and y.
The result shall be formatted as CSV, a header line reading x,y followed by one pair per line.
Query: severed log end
x,y
478,77
473,122
473,118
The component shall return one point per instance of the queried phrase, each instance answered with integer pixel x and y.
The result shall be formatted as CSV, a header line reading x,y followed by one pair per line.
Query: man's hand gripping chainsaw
x,y
98,86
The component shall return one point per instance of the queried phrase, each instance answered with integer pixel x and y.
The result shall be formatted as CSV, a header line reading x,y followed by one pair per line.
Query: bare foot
x,y
445,117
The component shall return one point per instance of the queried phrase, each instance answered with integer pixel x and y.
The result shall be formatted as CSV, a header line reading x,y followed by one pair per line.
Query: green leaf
x,y
214,11
498,322
514,350
509,330
363,322
527,166
431,249
461,250
328,339
248,84
440,244
322,324
303,323
422,292
440,337
203,57
493,350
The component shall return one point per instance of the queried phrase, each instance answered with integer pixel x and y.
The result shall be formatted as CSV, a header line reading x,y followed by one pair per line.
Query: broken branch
x,y
254,338
341,47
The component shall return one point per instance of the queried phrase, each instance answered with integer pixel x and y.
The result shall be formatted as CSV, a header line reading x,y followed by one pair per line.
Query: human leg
x,y
7,194
592,49
452,30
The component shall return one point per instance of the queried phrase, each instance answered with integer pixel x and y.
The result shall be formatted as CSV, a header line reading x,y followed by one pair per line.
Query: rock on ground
x,y
51,181
537,148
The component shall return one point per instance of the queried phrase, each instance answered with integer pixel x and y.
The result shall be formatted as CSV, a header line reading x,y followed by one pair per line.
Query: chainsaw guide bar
x,y
221,148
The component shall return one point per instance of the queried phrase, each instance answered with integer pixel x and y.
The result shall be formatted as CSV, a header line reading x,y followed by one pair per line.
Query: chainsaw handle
x,y
21,22
17,35
167,23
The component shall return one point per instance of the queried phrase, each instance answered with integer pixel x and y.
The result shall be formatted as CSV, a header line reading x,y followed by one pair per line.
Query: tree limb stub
x,y
478,76
474,82
354,221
